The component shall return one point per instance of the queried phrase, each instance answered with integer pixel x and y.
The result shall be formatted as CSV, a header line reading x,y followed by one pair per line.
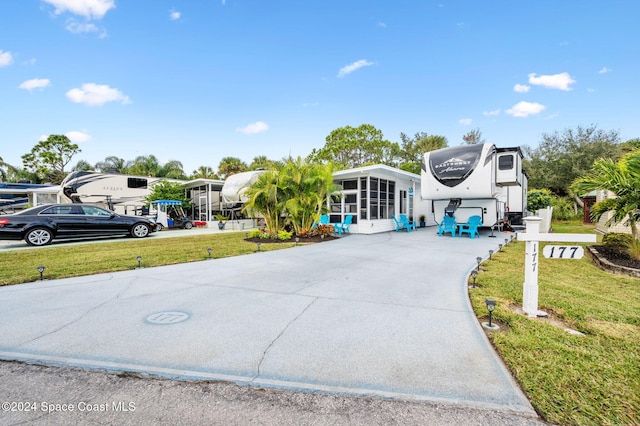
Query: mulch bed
x,y
316,239
618,258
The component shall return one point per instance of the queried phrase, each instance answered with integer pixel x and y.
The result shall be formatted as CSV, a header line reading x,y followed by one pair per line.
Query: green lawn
x,y
64,260
571,380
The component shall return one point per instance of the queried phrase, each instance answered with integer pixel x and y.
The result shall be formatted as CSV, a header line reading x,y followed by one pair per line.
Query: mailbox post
x,y
532,237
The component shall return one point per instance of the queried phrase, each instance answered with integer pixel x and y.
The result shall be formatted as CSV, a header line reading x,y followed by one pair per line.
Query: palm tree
x,y
112,164
230,166
173,170
306,187
204,172
266,198
623,179
144,165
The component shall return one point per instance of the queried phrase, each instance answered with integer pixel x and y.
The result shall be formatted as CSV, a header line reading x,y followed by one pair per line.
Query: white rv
x,y
480,179
124,194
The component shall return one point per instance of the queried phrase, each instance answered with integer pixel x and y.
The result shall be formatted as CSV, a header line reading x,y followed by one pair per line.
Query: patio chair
x,y
399,224
324,220
343,226
409,224
471,227
448,224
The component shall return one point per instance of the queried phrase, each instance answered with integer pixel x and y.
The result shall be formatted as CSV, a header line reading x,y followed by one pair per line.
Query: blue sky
x,y
199,80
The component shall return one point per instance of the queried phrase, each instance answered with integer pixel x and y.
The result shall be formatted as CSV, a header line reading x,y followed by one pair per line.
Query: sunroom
x,y
373,194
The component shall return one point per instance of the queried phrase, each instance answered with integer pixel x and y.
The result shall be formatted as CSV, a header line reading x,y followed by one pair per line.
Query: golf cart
x,y
170,214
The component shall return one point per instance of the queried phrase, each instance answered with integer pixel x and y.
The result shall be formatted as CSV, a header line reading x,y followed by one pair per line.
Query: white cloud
x,y
348,69
36,83
521,88
6,58
382,24
492,113
79,28
96,94
465,121
556,81
78,137
255,128
90,9
604,70
174,15
525,109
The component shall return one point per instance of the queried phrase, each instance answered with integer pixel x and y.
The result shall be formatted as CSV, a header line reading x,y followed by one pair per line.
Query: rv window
x,y
505,162
136,183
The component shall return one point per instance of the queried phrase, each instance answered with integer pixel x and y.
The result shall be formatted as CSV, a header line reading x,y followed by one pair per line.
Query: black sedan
x,y
38,226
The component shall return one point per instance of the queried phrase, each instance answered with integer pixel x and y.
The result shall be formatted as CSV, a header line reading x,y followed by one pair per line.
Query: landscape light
x,y
499,247
491,305
474,275
490,253
492,236
41,270
209,251
258,244
139,259
478,259
506,241
297,240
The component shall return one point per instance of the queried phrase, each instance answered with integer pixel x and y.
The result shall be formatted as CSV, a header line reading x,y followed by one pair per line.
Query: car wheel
x,y
39,237
188,225
140,230
159,227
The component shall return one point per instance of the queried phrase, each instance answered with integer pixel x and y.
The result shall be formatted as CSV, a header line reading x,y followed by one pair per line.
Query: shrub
x,y
564,208
284,235
255,233
538,199
617,242
325,230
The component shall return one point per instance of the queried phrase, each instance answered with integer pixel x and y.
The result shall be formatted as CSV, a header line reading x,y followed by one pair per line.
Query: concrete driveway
x,y
383,315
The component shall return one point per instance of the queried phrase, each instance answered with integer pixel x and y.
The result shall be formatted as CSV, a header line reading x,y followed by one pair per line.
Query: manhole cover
x,y
168,317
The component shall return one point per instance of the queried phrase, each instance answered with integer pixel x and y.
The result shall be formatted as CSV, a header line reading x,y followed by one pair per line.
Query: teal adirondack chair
x,y
448,224
399,224
409,224
471,227
324,220
343,226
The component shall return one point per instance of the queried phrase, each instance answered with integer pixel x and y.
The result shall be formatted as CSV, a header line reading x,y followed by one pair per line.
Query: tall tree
x,y
473,137
230,166
49,158
83,166
623,179
415,147
563,157
349,147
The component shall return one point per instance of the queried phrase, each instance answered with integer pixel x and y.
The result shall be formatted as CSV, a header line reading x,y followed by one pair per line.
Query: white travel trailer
x,y
480,179
124,194
233,191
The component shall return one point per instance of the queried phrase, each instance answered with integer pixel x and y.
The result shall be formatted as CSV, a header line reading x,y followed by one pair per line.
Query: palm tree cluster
x,y
293,193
